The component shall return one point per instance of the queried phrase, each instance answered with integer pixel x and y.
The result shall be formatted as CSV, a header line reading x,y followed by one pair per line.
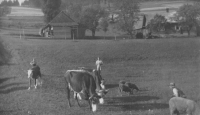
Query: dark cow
x,y
132,86
83,84
124,88
100,82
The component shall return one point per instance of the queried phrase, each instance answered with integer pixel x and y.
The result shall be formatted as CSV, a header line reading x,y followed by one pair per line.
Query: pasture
x,y
149,63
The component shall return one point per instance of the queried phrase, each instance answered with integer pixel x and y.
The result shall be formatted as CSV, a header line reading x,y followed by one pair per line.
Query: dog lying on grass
x,y
127,87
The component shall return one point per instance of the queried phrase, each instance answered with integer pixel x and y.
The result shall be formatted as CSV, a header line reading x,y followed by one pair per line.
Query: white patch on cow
x,y
78,93
70,88
102,86
99,93
29,73
74,95
94,107
101,101
79,96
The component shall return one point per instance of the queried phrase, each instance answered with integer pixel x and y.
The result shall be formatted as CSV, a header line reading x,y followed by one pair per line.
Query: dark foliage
x,y
50,9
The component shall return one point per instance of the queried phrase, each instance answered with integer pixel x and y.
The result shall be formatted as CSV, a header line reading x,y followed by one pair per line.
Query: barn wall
x,y
81,32
62,32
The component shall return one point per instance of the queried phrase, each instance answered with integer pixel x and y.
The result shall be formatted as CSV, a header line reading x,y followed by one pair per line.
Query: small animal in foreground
x,y
124,88
179,105
132,86
35,74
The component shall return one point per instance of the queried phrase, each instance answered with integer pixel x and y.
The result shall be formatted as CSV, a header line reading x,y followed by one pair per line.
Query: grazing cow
x,y
132,86
179,105
82,83
124,88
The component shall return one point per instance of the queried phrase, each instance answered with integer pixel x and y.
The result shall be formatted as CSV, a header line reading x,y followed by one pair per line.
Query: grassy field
x,y
149,63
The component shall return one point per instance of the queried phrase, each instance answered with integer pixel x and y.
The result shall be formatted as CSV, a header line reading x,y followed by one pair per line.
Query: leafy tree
x,y
50,9
157,23
90,17
26,2
104,25
16,3
36,3
75,11
10,3
128,11
188,16
4,3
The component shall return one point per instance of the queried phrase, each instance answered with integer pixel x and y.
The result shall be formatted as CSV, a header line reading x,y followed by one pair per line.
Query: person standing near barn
x,y
176,91
52,30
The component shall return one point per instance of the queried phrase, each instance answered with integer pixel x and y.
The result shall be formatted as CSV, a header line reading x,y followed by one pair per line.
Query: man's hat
x,y
33,62
172,84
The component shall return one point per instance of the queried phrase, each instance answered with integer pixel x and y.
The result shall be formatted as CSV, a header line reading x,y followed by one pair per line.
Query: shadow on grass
x,y
145,106
109,86
10,85
5,79
13,89
5,55
129,99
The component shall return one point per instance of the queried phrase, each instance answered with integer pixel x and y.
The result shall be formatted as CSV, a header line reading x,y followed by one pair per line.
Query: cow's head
x,y
95,99
101,94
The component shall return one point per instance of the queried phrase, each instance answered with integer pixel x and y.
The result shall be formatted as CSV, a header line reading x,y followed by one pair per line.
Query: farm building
x,y
63,27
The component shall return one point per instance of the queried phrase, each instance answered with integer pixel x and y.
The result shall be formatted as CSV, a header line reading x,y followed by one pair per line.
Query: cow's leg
x,y
120,91
77,99
90,104
35,83
29,84
68,94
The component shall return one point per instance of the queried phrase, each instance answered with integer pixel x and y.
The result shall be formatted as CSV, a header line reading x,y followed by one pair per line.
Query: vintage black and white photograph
x,y
99,57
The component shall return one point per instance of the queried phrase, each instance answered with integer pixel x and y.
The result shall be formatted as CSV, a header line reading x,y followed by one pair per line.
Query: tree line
x,y
92,16
9,3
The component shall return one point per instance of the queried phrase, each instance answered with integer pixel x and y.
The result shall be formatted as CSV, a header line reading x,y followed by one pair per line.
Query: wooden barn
x,y
62,26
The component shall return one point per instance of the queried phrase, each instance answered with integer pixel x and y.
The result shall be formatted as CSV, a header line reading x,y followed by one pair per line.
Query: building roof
x,y
62,19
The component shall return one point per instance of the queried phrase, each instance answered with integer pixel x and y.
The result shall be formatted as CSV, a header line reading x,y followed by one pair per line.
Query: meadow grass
x,y
150,64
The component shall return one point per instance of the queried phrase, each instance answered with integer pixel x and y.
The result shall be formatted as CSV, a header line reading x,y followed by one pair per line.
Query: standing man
x,y
98,64
176,92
